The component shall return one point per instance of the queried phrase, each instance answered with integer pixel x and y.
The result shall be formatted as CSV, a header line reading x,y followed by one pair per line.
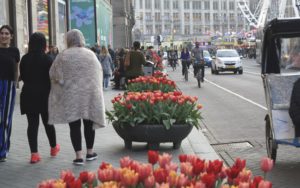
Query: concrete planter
x,y
153,134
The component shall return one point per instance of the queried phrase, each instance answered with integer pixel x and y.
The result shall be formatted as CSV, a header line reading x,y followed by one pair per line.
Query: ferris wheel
x,y
267,10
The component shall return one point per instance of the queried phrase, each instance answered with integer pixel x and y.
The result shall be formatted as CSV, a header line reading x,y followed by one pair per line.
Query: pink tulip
x,y
186,168
144,170
200,184
149,182
129,177
182,180
172,179
245,175
244,185
125,162
266,164
164,159
105,174
171,167
264,184
46,184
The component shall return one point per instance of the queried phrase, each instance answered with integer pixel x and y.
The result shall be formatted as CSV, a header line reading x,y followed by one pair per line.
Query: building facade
x,y
187,20
55,17
123,22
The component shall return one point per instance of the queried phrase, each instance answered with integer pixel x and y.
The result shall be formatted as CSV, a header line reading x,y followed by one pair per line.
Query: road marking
x,y
254,73
231,92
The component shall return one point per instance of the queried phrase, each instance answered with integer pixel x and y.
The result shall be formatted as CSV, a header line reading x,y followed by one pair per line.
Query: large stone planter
x,y
153,134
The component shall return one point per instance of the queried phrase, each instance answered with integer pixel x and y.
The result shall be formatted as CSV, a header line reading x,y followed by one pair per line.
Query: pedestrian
x,y
119,72
134,62
53,51
9,58
76,93
34,72
294,109
111,53
107,65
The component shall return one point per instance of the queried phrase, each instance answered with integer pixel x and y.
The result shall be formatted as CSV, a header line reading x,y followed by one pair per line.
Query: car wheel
x,y
240,71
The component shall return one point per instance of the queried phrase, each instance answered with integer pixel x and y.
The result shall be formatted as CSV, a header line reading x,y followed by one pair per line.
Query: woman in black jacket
x,y
34,72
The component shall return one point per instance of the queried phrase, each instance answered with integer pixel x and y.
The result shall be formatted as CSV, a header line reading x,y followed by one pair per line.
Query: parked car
x,y
227,60
207,58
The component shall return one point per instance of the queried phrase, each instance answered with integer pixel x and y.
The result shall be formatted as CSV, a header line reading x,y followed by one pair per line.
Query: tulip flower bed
x,y
156,107
161,172
151,83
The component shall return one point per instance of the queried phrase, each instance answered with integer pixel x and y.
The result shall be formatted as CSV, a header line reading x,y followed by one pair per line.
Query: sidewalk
x,y
17,172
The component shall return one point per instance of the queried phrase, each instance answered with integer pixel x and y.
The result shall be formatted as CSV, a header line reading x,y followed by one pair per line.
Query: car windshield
x,y
229,53
206,54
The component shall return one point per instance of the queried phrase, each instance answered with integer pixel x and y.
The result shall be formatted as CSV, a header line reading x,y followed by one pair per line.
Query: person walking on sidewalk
x,y
107,65
77,94
9,58
34,72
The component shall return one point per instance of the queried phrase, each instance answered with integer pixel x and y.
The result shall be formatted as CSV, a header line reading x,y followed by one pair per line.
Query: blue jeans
x,y
106,80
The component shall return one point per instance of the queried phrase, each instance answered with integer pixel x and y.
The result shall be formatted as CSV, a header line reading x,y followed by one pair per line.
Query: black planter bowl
x,y
153,134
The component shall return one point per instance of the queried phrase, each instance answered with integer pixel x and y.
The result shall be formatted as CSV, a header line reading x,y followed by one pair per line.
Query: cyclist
x,y
172,57
185,58
197,54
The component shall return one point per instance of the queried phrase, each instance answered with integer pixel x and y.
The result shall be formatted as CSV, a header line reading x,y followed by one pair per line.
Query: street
x,y
234,108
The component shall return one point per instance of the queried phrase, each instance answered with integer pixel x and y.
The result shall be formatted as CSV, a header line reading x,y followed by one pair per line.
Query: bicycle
x,y
199,75
185,71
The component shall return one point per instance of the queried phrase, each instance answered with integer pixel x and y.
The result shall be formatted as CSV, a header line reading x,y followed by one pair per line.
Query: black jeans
x,y
75,133
197,67
184,64
33,128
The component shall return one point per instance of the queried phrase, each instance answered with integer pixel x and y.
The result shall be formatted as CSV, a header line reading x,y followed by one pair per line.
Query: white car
x,y
227,60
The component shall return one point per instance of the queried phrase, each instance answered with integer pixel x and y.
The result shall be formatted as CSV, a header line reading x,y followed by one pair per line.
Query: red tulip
x,y
255,182
125,162
160,175
144,170
198,167
105,175
152,156
182,158
266,164
75,184
105,165
67,176
83,176
209,180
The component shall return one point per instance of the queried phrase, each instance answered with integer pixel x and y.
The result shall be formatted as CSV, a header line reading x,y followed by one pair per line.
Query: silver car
x,y
227,60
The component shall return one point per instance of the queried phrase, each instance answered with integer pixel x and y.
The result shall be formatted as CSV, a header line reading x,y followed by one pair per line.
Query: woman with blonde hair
x,y
107,65
76,93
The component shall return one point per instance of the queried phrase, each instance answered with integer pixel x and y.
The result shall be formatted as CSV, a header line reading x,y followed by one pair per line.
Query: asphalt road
x,y
234,108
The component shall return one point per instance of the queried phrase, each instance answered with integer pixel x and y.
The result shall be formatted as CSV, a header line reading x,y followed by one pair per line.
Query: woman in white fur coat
x,y
77,93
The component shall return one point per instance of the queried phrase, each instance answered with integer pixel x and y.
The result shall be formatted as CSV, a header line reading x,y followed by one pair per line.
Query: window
x,y
157,4
166,4
158,29
141,4
216,5
197,17
187,30
175,16
224,5
148,29
4,12
148,16
231,5
186,5
157,16
187,17
167,28
196,5
232,17
148,4
167,17
207,17
215,17
206,5
175,4
197,29
176,29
